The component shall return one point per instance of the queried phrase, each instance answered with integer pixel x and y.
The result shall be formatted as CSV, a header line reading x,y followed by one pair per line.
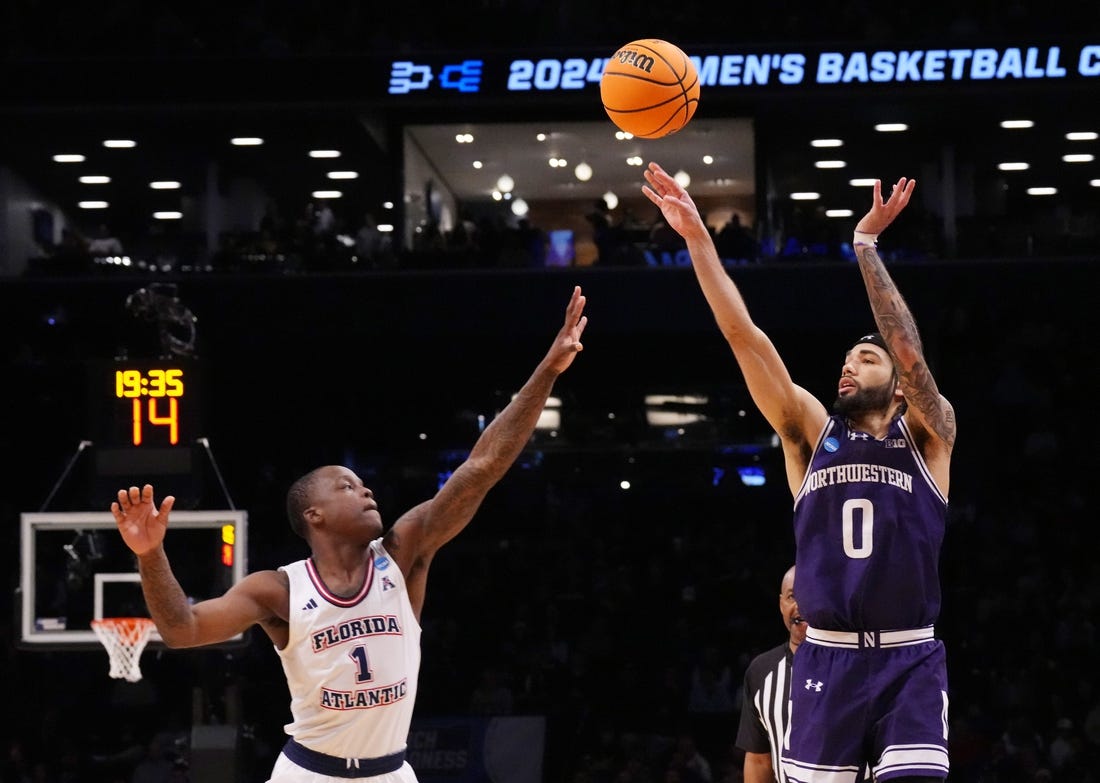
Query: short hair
x,y
298,499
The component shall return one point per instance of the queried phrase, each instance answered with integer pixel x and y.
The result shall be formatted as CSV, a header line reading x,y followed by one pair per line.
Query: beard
x,y
877,398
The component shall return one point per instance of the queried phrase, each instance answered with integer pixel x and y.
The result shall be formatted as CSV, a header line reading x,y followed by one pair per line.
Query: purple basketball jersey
x,y
868,524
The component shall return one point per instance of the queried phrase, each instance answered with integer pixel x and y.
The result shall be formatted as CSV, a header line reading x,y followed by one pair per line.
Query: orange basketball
x,y
650,88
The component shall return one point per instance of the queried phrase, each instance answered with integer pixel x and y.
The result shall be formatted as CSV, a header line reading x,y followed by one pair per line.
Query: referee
x,y
765,710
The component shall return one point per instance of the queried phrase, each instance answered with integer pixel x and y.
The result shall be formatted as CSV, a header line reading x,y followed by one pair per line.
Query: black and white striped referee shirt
x,y
765,708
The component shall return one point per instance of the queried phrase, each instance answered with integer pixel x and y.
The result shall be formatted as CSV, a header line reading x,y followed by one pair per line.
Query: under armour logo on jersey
x,y
387,584
310,604
858,436
814,686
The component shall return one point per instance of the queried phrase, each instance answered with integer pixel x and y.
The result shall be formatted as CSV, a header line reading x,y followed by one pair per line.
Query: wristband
x,y
863,238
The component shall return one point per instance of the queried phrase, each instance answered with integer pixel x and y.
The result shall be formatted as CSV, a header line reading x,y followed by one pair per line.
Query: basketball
x,y
650,88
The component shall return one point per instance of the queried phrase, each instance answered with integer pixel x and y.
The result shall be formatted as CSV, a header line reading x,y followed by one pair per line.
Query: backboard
x,y
76,568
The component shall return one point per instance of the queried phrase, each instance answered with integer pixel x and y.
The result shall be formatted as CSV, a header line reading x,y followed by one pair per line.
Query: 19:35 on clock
x,y
151,403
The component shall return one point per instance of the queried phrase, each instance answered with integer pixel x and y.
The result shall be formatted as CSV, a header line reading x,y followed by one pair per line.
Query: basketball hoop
x,y
124,638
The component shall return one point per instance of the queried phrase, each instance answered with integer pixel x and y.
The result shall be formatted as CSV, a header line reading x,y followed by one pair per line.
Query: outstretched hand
x,y
882,213
673,201
568,342
139,521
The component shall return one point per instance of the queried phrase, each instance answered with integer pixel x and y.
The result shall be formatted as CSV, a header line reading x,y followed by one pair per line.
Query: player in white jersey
x,y
345,621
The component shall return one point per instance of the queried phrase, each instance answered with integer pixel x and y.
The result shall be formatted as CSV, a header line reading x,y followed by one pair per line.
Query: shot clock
x,y
146,405
154,396
145,417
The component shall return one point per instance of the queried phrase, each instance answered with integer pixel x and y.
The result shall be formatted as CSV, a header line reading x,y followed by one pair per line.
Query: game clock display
x,y
150,404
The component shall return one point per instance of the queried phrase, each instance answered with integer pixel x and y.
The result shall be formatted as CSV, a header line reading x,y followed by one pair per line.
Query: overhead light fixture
x,y
92,204
477,164
324,153
682,178
327,194
505,183
862,182
1014,166
164,184
583,172
1042,191
1082,157
246,141
634,160
838,213
167,215
610,199
68,158
826,143
520,208
623,135
464,138
708,159
1017,124
805,196
120,144
1095,183
1072,136
94,179
830,164
343,175
891,127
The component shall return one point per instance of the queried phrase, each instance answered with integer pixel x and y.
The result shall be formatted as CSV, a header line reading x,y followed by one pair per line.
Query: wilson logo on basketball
x,y
643,62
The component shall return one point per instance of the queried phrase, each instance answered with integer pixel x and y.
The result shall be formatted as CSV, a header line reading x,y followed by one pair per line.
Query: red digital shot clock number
x,y
154,394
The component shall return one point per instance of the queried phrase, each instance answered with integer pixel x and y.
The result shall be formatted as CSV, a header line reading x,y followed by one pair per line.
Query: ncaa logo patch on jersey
x,y
381,563
831,444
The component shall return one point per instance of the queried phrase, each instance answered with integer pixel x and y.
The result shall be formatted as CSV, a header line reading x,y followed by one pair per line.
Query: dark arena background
x,y
377,306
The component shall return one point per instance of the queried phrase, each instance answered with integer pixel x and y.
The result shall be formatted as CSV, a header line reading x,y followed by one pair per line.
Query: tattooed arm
x,y
929,414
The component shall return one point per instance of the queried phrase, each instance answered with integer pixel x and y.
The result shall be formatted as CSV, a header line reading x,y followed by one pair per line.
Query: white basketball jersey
x,y
351,663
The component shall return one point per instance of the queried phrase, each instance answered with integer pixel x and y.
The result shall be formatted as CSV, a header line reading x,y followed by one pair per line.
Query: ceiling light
x,y
1014,166
610,199
324,153
327,194
505,184
683,179
1041,191
387,205
385,228
830,164
623,135
806,196
1016,124
478,164
891,127
246,141
120,144
519,208
540,137
497,195
164,184
1095,183
826,143
1071,136
92,204
634,160
1082,157
708,159
94,179
343,175
838,213
862,182
167,215
583,172
68,158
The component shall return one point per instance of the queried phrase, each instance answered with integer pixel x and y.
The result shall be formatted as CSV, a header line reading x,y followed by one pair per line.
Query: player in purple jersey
x,y
870,482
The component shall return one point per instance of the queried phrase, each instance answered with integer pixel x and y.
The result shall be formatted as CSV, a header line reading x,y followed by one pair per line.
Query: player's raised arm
x,y
143,527
927,409
792,411
421,531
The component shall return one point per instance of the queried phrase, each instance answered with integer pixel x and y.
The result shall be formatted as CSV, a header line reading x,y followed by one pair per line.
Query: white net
x,y
125,639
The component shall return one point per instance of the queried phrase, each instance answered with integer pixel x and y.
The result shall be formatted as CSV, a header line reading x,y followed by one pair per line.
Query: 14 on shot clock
x,y
146,403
